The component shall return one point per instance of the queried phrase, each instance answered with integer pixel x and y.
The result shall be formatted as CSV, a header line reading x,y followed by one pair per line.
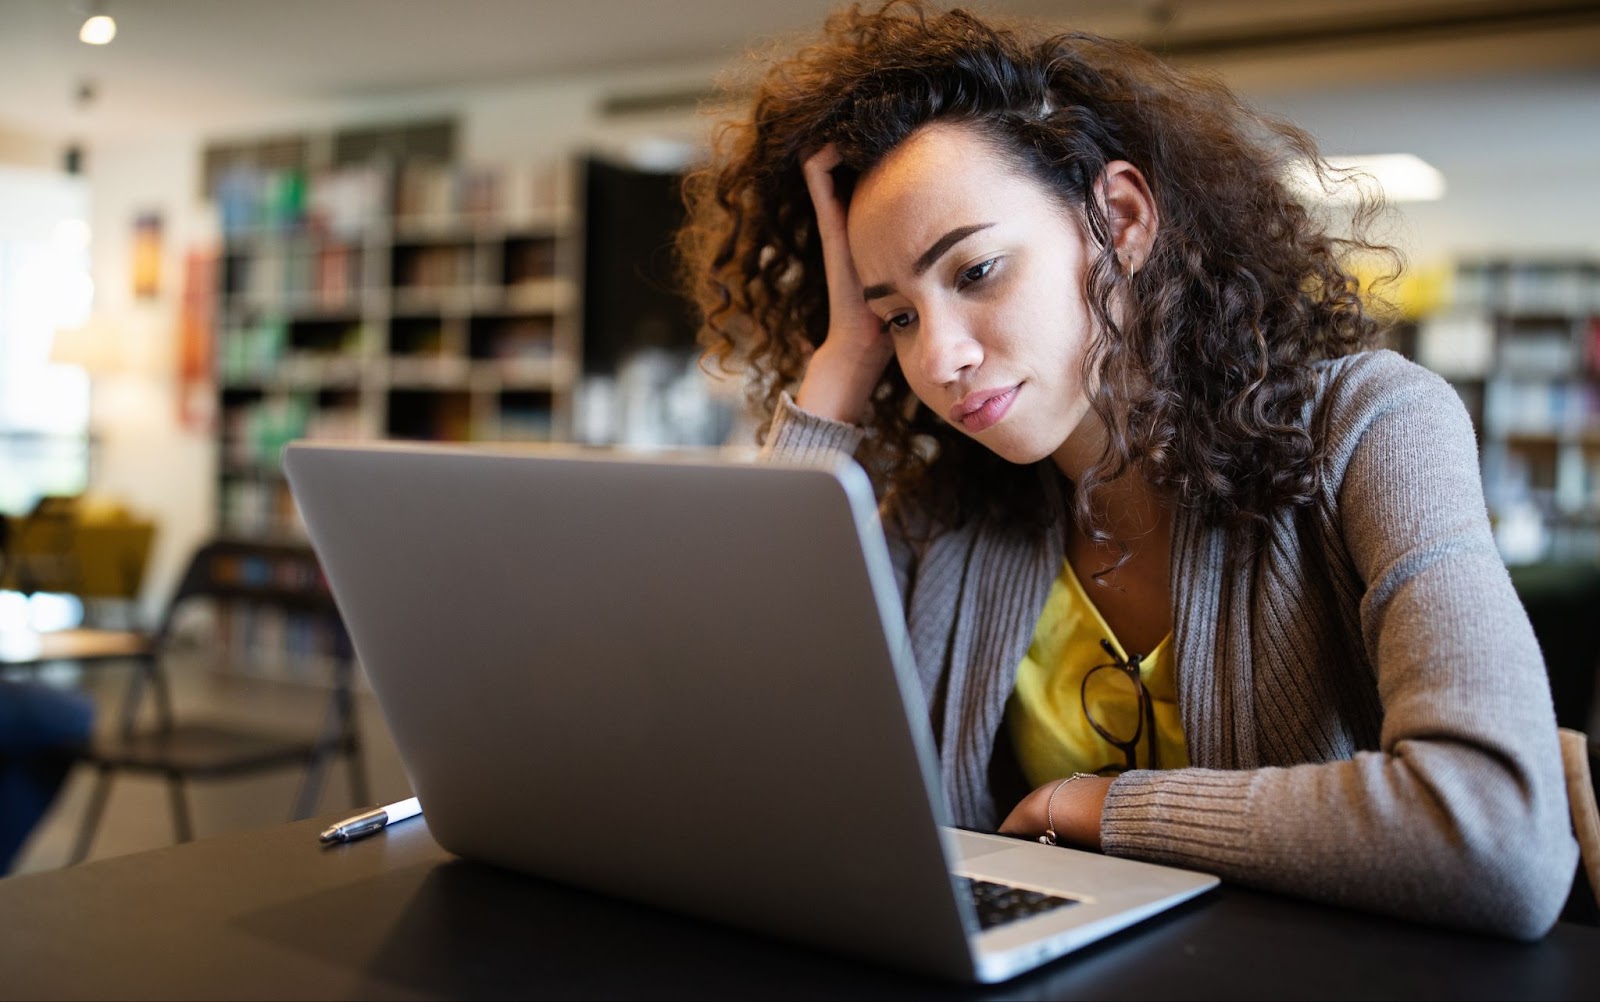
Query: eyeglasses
x,y
1109,684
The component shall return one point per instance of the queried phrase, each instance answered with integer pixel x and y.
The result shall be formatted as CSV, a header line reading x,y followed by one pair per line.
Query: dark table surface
x,y
273,914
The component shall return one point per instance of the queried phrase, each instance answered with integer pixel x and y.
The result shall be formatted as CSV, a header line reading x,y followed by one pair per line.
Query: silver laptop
x,y
683,680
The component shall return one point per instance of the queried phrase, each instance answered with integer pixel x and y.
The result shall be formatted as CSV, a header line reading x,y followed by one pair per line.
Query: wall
x,y
147,458
22,150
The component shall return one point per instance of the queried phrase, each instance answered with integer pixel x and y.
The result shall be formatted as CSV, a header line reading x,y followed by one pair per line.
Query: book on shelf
x,y
1550,288
514,338
258,508
343,202
303,271
251,352
1546,350
256,433
337,279
1551,408
434,266
431,196
1554,287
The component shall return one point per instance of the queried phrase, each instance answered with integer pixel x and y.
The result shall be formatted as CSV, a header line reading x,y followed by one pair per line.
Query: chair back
x,y
1560,599
256,576
249,584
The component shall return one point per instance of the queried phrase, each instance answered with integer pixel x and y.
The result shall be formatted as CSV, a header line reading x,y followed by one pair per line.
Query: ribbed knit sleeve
x,y
1201,822
799,434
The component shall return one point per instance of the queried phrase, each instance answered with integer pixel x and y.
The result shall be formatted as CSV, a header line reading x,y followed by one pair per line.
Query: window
x,y
44,286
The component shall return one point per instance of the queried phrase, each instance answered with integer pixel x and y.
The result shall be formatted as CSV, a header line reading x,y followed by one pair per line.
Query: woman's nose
x,y
949,350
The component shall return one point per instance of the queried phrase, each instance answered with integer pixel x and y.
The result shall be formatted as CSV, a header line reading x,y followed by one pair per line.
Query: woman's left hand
x,y
1077,807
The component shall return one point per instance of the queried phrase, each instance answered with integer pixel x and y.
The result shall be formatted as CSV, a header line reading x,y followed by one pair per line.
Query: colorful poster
x,y
196,393
147,255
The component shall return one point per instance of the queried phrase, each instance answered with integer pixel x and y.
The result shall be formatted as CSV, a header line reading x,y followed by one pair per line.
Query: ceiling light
x,y
98,29
1402,176
1397,177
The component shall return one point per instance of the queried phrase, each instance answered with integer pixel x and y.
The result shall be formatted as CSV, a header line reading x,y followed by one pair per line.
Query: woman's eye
x,y
898,322
976,273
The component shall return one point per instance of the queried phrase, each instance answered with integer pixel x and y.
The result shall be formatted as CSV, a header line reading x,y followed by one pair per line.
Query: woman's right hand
x,y
847,366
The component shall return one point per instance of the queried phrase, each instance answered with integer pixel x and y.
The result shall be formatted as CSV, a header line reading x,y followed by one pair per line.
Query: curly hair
x,y
1203,385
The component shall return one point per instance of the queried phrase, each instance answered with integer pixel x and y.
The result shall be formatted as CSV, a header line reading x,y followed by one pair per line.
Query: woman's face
x,y
978,275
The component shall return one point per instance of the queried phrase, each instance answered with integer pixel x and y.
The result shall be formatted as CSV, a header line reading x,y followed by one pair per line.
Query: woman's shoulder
x,y
1357,389
1385,405
1375,373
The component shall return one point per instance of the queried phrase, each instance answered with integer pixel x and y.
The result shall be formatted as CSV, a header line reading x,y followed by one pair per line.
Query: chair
x,y
37,552
90,547
1560,598
1575,756
247,579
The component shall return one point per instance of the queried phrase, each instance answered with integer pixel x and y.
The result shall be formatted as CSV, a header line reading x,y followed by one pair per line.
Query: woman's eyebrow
x,y
929,256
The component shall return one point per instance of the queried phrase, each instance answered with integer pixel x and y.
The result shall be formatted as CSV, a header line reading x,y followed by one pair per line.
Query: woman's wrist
x,y
1073,815
1078,810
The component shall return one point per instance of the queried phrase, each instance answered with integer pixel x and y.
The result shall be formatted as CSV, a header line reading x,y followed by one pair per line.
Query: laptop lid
x,y
684,681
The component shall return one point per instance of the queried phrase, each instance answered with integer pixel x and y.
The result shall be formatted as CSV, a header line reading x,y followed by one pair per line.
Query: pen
x,y
365,824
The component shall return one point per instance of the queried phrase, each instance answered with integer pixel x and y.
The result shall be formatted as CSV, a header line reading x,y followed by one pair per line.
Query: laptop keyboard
x,y
998,904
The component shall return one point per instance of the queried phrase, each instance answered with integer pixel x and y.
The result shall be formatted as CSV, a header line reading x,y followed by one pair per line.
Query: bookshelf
x,y
427,301
1520,341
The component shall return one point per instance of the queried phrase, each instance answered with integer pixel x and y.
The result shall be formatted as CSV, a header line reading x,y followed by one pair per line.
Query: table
x,y
273,914
30,649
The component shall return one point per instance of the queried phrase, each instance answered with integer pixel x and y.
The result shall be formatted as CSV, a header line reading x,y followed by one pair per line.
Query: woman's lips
x,y
983,408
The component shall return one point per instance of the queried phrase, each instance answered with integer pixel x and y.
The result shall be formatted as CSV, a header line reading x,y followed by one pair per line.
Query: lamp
x,y
97,349
109,348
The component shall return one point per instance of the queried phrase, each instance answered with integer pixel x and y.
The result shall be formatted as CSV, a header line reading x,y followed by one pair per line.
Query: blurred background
x,y
227,226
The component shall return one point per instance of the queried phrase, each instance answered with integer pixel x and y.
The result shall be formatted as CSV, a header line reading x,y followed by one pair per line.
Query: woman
x,y
41,730
1192,574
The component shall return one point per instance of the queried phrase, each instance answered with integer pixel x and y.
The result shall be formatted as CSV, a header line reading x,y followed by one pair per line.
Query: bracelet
x,y
1049,836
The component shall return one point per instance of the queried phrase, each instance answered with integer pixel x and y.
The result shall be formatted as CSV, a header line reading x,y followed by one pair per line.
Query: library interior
x,y
228,227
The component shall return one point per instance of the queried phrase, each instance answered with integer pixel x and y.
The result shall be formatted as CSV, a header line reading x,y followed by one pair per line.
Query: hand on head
x,y
851,360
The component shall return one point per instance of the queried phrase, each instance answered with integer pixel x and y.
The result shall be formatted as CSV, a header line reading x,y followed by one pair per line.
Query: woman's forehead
x,y
943,176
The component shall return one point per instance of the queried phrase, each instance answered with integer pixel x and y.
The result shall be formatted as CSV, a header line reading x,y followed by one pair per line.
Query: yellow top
x,y
1045,716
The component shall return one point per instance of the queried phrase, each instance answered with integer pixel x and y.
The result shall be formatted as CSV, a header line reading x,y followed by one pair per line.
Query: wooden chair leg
x,y
181,824
1581,799
91,815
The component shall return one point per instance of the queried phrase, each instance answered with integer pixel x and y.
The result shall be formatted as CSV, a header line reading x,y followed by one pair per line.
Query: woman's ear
x,y
1130,210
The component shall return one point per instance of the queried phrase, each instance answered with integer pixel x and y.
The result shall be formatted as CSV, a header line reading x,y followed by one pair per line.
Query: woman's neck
x,y
1132,588
1129,508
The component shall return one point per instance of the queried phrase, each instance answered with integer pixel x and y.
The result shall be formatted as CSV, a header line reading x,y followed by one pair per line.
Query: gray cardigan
x,y
1367,713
